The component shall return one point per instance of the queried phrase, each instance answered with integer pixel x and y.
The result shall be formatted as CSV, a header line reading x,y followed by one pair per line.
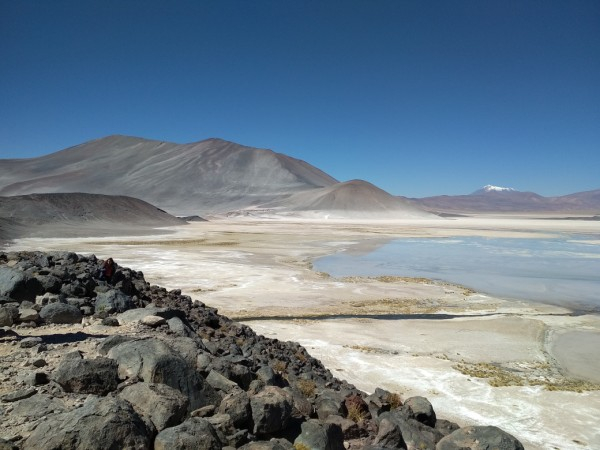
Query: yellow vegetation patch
x,y
356,414
307,387
367,349
538,374
396,306
171,242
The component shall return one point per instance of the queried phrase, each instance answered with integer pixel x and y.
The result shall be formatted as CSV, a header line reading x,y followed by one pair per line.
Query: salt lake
x,y
563,271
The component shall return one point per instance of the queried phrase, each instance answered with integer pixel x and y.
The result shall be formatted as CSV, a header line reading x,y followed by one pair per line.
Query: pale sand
x,y
250,269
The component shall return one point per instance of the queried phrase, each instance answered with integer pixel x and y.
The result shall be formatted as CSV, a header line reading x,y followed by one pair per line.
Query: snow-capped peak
x,y
489,188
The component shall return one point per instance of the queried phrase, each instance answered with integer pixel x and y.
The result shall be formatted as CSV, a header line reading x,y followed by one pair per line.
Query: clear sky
x,y
418,97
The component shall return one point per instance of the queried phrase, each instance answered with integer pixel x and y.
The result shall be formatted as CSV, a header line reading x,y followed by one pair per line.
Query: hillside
x,y
209,176
351,199
77,214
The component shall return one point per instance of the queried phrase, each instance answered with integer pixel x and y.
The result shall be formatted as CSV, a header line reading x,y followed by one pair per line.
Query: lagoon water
x,y
563,271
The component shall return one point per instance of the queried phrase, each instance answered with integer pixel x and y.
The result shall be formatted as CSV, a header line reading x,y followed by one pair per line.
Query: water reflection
x,y
563,271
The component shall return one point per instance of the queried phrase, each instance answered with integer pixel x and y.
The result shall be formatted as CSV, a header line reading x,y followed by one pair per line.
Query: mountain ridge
x,y
79,214
507,201
208,176
215,176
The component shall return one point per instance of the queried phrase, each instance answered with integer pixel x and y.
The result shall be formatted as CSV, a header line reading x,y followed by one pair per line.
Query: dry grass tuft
x,y
278,366
356,413
300,446
307,387
394,400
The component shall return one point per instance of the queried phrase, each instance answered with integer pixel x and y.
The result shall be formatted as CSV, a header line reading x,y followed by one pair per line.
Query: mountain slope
x,y
76,214
198,178
351,199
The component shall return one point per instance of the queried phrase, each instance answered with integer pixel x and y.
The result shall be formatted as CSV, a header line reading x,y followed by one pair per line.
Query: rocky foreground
x,y
87,364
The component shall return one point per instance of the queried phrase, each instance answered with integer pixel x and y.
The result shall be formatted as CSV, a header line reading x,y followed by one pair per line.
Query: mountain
x,y
76,214
490,188
351,199
199,178
498,199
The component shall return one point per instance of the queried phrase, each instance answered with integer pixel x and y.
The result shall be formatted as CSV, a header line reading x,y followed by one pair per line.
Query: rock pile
x,y
149,368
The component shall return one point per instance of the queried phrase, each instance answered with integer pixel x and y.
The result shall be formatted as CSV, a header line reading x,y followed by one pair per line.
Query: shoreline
x,y
248,268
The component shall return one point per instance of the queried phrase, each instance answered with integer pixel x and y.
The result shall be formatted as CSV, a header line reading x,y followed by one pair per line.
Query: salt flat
x,y
412,336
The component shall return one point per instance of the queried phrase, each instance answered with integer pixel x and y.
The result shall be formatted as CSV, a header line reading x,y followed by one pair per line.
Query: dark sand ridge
x,y
79,215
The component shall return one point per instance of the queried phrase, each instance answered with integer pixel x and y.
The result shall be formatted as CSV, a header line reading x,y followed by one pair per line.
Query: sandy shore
x,y
412,336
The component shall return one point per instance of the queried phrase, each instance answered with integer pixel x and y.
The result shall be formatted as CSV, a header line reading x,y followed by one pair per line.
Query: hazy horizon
x,y
418,99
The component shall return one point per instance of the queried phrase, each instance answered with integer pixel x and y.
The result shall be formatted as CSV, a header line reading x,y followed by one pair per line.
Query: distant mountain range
x,y
220,177
501,199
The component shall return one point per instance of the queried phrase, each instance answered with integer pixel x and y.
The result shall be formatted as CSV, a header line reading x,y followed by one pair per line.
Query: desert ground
x,y
530,368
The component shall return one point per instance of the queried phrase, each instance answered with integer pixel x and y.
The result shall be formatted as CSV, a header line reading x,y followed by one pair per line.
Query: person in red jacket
x,y
107,270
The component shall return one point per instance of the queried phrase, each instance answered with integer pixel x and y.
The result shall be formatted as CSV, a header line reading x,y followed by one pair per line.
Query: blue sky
x,y
418,97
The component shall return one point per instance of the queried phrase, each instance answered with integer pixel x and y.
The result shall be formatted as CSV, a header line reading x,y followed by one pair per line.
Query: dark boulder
x,y
113,301
389,435
50,283
218,381
178,326
271,410
421,410
193,434
273,444
28,313
302,407
102,422
350,429
112,341
446,427
413,434
7,445
161,404
74,289
479,438
316,435
237,373
87,376
153,361
380,401
330,402
8,315
237,405
37,406
17,285
60,313
30,342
